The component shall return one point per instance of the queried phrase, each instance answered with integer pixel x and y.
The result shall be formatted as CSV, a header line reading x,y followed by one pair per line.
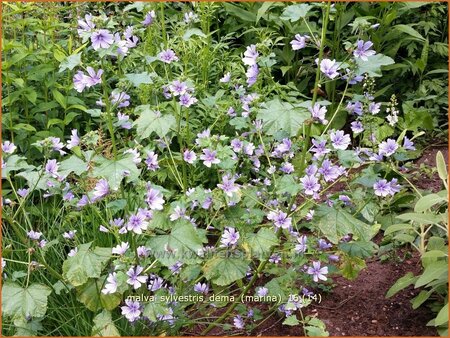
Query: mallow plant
x,y
197,192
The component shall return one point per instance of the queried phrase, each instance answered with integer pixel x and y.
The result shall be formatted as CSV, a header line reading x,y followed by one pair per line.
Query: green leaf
x,y
193,32
104,325
140,78
59,98
291,321
426,202
351,266
401,283
85,264
24,302
398,227
420,298
114,171
225,270
282,116
91,296
419,218
73,164
70,62
442,168
373,64
26,327
433,271
336,223
408,30
359,248
237,10
262,242
287,184
151,122
15,163
263,9
154,309
295,12
442,317
182,244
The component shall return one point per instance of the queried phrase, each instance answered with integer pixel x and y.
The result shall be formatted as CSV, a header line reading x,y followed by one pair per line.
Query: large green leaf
x,y
295,12
85,264
23,302
401,283
104,325
373,64
91,296
150,122
70,62
140,78
261,242
442,317
336,223
15,163
225,270
72,164
432,272
182,244
114,171
282,116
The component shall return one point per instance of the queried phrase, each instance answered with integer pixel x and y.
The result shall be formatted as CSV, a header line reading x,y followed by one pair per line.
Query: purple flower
x,y
201,288
329,171
279,219
142,251
262,291
357,127
85,26
155,282
323,244
275,258
228,185
302,246
94,77
131,310
250,55
152,161
345,199
79,81
229,237
102,39
318,113
74,139
168,56
287,168
382,188
339,140
154,199
190,17
178,213
252,74
388,147
72,252
51,168
329,68
226,78
23,192
176,268
34,235
70,234
355,108
136,280
178,88
8,147
408,144
189,156
123,121
284,147
137,223
310,184
149,17
187,100
209,157
317,272
238,322
299,42
121,248
374,108
319,148
101,189
111,285
120,98
363,50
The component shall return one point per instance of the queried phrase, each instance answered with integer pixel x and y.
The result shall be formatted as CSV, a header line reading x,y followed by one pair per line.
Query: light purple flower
x,y
329,171
317,272
374,108
102,39
111,285
51,168
408,144
142,251
280,219
187,100
287,168
357,127
101,189
229,237
94,77
329,68
70,234
310,184
79,81
226,78
201,288
131,310
155,283
209,157
72,252
302,246
34,235
154,199
176,268
189,156
178,88
355,108
339,140
262,291
177,213
149,17
120,98
238,322
299,41
363,50
8,147
319,148
121,248
23,192
382,188
228,185
388,147
85,26
252,74
323,244
74,139
318,113
137,223
136,280
152,161
168,56
250,55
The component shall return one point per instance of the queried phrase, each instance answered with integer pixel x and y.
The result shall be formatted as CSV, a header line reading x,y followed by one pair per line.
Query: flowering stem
x,y
243,293
337,109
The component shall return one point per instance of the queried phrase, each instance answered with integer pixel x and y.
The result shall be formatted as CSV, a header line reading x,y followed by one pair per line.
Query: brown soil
x,y
424,180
